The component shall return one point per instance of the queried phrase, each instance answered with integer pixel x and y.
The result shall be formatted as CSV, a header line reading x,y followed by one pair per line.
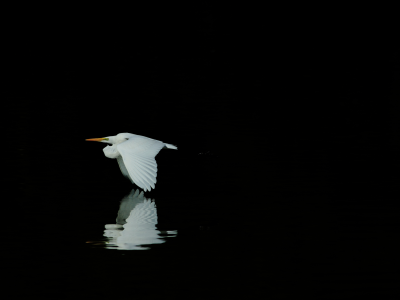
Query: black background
x,y
285,181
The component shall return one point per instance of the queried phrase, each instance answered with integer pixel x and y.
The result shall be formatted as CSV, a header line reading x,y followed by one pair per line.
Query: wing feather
x,y
149,168
138,154
144,180
149,177
137,180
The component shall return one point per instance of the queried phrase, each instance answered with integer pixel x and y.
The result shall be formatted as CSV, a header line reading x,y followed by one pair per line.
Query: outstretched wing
x,y
138,156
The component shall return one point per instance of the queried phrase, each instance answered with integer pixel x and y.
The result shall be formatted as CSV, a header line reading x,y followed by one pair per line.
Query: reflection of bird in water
x,y
136,223
136,156
127,204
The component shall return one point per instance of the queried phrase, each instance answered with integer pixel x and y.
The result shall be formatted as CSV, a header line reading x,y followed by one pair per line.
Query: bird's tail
x,y
169,146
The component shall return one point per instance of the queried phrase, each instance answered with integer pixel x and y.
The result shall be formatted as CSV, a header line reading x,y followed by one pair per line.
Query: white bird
x,y
136,156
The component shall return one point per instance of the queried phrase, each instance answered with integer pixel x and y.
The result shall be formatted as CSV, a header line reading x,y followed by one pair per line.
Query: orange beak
x,y
96,140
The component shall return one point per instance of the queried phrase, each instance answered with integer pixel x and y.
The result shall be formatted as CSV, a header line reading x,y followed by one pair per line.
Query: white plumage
x,y
136,157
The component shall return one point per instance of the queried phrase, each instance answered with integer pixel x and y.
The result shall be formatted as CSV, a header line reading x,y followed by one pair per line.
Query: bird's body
x,y
136,156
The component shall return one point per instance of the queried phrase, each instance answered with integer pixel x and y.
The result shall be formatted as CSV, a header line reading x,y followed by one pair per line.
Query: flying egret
x,y
136,156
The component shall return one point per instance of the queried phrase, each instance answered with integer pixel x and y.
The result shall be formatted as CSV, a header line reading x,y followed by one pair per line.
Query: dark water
x,y
284,184
308,230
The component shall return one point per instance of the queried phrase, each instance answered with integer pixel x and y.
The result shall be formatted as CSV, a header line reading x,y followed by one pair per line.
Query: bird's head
x,y
117,139
108,139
